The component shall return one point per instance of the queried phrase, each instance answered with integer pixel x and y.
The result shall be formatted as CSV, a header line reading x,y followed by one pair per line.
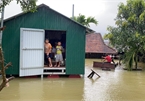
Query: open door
x,y
31,52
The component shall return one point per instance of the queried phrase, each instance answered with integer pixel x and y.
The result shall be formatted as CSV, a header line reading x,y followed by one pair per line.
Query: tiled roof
x,y
95,44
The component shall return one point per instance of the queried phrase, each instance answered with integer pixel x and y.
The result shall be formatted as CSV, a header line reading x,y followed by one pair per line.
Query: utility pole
x,y
73,12
2,19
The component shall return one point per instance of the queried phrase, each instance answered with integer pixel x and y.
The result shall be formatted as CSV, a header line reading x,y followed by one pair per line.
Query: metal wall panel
x,y
32,58
33,39
28,72
31,52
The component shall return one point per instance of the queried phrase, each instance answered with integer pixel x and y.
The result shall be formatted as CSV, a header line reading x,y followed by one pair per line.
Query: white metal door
x,y
31,52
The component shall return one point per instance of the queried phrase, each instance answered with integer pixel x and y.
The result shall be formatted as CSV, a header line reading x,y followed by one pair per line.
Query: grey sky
x,y
103,10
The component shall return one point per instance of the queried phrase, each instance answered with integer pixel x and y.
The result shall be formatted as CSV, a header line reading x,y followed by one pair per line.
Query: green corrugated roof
x,y
88,30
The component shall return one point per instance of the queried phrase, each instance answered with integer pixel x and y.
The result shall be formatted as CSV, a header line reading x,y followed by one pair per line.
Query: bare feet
x,y
55,65
50,65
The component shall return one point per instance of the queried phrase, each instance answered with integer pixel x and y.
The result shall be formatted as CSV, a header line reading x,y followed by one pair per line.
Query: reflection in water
x,y
117,85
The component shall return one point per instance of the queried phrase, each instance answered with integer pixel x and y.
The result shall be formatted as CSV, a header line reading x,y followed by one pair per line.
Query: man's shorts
x,y
47,56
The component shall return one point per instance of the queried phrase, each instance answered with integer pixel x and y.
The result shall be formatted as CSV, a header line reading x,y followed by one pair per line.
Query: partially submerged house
x,y
23,42
95,46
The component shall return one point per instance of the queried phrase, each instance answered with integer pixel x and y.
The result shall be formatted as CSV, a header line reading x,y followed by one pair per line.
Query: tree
x,y
85,21
129,35
26,5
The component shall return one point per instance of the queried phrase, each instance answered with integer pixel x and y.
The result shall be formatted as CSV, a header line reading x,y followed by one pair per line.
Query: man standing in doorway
x,y
47,50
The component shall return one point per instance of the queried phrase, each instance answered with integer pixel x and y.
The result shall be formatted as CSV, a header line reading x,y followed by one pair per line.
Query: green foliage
x,y
85,21
129,35
26,5
91,20
130,58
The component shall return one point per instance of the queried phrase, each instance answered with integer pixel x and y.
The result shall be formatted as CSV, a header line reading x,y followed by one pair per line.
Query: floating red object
x,y
74,76
53,76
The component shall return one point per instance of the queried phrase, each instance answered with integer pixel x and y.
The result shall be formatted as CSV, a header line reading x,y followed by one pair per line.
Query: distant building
x,y
96,47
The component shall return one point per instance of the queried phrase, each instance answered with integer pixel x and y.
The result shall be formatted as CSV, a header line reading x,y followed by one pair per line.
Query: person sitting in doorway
x,y
48,47
59,57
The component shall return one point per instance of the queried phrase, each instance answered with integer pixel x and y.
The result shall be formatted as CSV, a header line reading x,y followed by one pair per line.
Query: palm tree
x,y
85,21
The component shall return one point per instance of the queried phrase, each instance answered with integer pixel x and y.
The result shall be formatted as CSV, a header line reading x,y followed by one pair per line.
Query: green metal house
x,y
23,42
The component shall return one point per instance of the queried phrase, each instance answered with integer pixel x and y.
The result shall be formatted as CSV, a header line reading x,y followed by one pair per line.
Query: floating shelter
x,y
23,42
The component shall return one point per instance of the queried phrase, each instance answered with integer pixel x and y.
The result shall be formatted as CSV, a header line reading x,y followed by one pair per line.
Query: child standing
x,y
47,47
59,57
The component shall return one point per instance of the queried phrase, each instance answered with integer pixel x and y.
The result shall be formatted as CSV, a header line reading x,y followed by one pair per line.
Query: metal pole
x,y
73,11
2,18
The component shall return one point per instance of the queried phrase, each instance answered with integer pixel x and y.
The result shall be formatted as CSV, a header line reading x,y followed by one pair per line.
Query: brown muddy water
x,y
115,85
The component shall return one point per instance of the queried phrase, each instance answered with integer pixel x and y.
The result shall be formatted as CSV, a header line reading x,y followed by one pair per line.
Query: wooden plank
x,y
103,65
45,73
54,68
95,73
92,74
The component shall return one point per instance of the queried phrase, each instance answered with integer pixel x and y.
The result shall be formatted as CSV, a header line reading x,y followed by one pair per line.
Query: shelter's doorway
x,y
55,36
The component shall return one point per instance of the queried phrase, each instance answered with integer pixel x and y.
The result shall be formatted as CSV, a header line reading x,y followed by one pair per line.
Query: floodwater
x,y
115,85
